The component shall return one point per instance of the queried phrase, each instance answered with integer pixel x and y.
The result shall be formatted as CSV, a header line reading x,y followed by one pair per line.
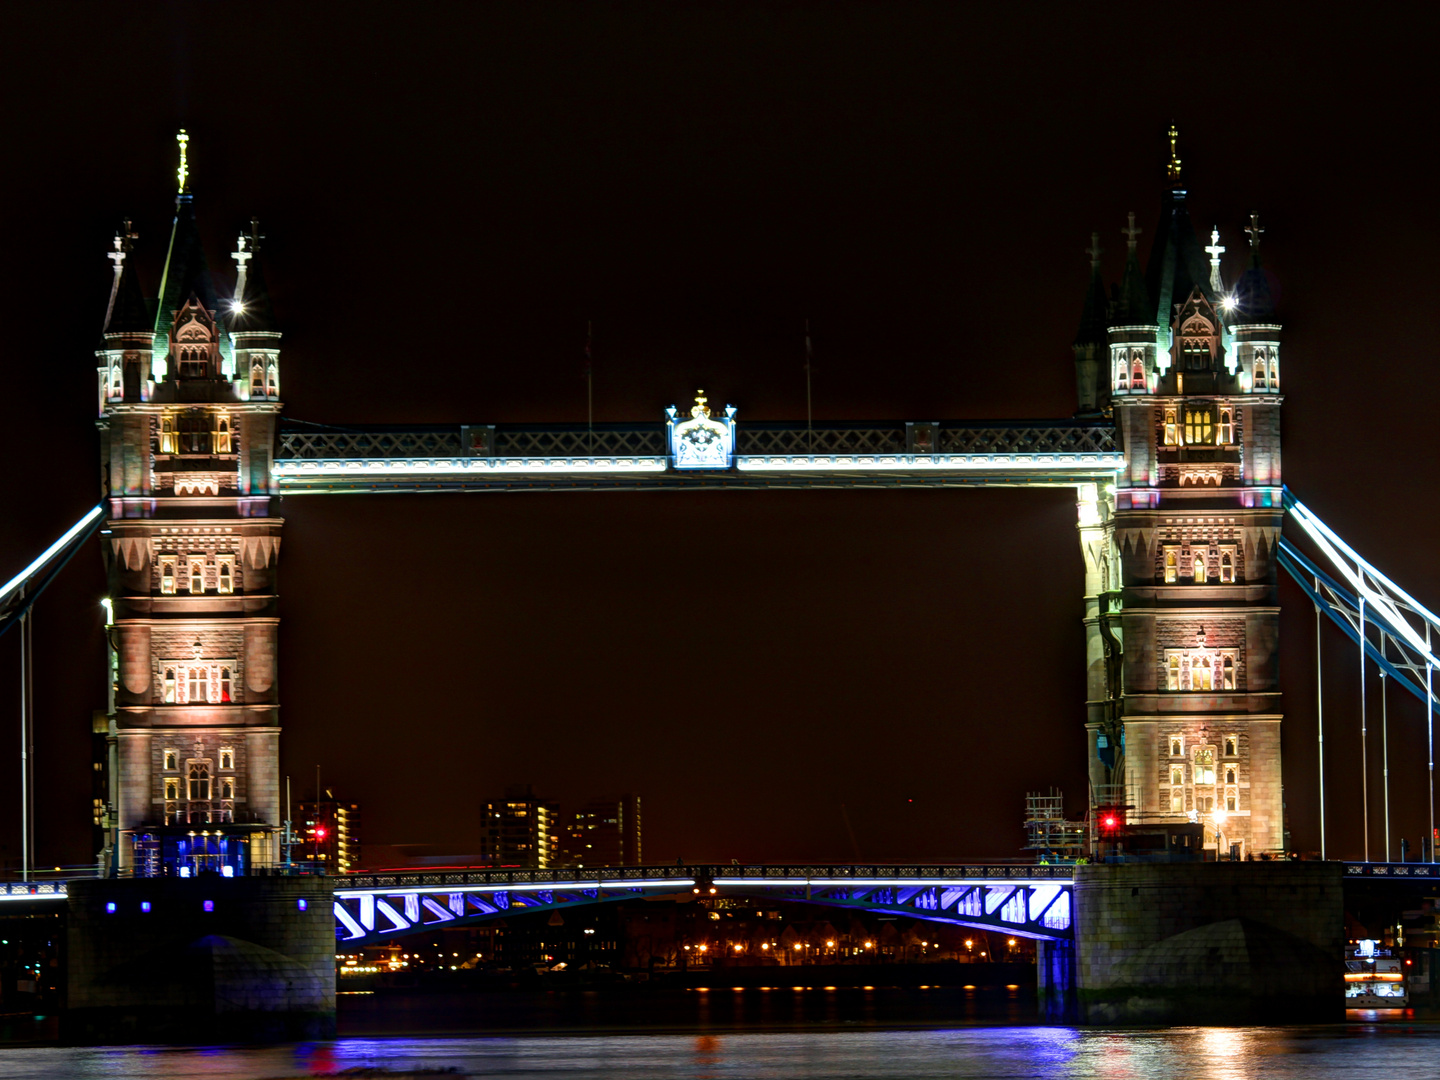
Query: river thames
x,y
1358,1049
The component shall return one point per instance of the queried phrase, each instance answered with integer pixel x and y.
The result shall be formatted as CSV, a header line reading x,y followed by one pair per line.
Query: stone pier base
x,y
1210,943
206,960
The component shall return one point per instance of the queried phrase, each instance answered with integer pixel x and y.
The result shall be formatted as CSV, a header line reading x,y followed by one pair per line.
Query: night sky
x,y
449,193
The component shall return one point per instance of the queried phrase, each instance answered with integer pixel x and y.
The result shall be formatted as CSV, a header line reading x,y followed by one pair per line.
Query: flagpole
x,y
589,389
809,420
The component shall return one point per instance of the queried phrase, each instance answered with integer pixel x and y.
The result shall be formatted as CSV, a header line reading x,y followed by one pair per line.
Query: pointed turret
x,y
125,338
1253,300
1178,262
1090,339
1132,304
252,322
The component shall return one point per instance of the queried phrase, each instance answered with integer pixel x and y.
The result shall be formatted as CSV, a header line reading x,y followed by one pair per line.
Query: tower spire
x,y
182,174
1172,170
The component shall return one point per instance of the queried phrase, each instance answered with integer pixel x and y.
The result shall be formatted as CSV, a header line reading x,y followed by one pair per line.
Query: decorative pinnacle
x,y
1254,229
1094,251
1216,249
183,172
124,240
1173,169
1131,231
700,409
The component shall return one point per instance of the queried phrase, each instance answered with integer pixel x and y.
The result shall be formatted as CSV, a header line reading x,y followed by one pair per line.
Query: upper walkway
x,y
315,458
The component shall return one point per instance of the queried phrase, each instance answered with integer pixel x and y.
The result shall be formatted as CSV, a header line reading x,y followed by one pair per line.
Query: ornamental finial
x,y
1254,229
700,409
1095,250
1131,231
1173,169
182,174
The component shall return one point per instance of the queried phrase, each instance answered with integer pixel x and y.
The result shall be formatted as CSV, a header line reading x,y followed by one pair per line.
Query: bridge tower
x,y
1184,712
188,404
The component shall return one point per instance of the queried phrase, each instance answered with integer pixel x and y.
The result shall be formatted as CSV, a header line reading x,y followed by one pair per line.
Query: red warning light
x,y
320,833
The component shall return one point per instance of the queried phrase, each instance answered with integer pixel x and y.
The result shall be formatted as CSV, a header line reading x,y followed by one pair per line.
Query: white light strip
x,y
380,468
926,462
869,882
35,896
1327,541
50,552
611,883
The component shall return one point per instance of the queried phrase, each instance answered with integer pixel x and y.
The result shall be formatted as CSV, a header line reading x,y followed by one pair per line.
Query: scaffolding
x,y
1048,833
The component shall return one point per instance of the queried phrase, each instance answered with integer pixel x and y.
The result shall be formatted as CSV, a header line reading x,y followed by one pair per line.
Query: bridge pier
x,y
1203,943
200,960
1055,982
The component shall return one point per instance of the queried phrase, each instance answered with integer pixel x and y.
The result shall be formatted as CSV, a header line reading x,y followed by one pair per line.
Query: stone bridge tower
x,y
189,402
1184,710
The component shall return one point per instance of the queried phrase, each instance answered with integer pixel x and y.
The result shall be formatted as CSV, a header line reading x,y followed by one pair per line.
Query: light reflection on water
x,y
1317,1053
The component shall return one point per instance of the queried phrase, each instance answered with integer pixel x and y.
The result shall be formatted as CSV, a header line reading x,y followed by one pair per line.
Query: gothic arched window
x,y
1230,774
192,364
199,780
257,380
1227,567
222,435
198,684
1227,427
225,579
1137,376
168,443
1230,747
1172,566
225,698
1172,429
1200,676
1200,571
169,695
272,381
1172,681
167,580
1229,684
117,385
197,576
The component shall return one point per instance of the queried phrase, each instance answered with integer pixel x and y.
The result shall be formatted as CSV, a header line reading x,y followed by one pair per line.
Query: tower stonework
x,y
1184,704
189,403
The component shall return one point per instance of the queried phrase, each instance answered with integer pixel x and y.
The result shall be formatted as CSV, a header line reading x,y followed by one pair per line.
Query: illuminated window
x,y
1172,430
257,380
224,698
1205,767
1199,425
199,780
167,578
1227,427
197,685
169,695
1177,746
1177,775
197,575
222,435
1232,801
172,760
1137,374
172,787
1205,805
1229,774
1230,746
1177,802
1199,670
1227,565
117,386
1172,565
227,757
1262,370
272,380
227,788
225,575
1199,566
1122,375
168,442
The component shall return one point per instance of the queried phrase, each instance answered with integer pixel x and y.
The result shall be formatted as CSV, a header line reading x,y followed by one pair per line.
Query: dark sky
x,y
450,192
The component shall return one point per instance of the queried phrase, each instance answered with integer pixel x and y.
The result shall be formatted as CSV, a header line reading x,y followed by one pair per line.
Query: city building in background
x,y
520,829
603,832
329,834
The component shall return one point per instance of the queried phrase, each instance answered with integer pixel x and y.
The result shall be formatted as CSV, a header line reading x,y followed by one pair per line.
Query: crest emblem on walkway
x,y
701,442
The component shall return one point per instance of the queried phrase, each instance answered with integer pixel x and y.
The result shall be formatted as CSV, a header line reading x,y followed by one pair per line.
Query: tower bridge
x,y
1174,455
